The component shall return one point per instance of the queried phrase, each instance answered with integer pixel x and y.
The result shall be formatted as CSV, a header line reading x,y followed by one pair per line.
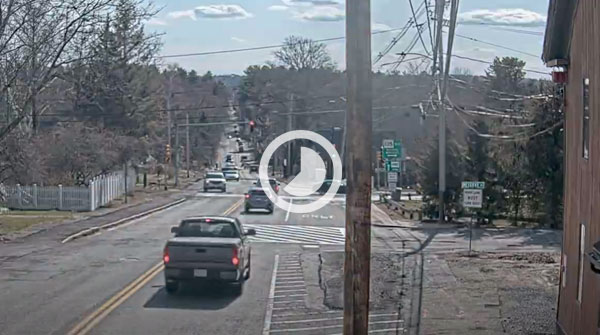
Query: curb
x,y
93,230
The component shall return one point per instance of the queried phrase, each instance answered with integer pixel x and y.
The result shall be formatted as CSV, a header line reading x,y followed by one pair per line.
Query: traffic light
x,y
252,124
168,154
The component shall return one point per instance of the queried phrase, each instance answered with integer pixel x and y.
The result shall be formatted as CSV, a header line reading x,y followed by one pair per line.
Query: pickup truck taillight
x,y
166,257
235,257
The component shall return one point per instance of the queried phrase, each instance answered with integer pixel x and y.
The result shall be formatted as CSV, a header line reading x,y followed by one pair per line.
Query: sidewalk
x,y
141,202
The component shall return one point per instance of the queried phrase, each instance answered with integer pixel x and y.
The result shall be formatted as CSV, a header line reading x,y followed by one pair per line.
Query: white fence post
x,y
20,195
91,189
35,196
60,197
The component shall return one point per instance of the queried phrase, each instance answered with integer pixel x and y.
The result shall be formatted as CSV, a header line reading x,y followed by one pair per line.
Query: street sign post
x,y
472,198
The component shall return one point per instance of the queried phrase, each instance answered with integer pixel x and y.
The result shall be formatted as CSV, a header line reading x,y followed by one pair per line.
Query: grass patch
x,y
14,221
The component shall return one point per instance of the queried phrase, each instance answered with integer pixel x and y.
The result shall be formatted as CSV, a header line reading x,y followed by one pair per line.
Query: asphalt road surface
x,y
112,282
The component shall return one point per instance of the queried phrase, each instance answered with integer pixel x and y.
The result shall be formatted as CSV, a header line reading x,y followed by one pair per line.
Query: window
x,y
581,261
586,118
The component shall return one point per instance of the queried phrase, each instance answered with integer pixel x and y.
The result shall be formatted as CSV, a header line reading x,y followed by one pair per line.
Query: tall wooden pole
x,y
359,144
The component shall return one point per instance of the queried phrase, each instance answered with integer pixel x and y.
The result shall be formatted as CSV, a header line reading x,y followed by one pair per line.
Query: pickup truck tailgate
x,y
202,250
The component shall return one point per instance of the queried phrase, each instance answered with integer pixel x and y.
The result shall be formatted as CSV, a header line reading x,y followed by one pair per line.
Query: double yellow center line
x,y
90,321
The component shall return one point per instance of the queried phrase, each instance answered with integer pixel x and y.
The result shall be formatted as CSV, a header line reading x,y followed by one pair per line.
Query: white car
x,y
214,180
231,174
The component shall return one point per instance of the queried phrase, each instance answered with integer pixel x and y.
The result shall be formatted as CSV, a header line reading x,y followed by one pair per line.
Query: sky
x,y
192,26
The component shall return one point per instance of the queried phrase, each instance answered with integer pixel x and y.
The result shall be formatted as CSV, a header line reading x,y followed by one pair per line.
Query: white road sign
x,y
472,198
388,144
392,177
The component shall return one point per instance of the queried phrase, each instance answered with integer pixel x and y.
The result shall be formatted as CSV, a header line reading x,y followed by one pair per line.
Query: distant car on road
x,y
231,173
274,184
215,180
208,248
257,199
327,184
254,168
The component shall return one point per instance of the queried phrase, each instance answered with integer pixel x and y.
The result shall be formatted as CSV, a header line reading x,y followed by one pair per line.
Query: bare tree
x,y
41,41
299,53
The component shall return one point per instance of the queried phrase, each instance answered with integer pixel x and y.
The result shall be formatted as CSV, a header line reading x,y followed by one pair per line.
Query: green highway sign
x,y
392,166
473,185
391,149
392,153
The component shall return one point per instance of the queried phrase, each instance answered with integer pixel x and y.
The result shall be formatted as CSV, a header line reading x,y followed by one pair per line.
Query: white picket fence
x,y
101,191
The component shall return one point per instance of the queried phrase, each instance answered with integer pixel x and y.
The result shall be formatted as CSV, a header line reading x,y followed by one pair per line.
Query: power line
x,y
426,2
492,63
160,110
412,9
226,51
399,36
307,111
496,45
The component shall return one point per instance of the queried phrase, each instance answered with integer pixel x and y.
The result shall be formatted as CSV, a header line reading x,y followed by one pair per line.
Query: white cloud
x,y
156,22
213,12
503,17
182,14
311,2
379,27
237,39
322,13
278,8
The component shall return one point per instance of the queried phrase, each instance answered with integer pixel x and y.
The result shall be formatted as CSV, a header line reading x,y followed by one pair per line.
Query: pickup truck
x,y
208,248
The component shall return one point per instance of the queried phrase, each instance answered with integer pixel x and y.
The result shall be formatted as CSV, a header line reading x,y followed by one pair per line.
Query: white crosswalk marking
x,y
297,234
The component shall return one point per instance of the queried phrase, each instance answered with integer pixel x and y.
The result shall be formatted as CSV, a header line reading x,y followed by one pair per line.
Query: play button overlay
x,y
311,176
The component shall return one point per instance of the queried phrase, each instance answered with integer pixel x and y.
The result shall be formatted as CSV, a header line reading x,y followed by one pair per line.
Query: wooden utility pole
x,y
442,105
177,150
357,265
439,6
187,143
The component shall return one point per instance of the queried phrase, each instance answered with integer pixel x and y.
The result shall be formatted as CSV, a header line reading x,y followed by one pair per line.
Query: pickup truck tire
x,y
247,274
172,287
238,287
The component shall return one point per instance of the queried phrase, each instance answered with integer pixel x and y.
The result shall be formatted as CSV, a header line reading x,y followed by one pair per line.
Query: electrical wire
x,y
399,36
275,46
412,9
492,63
496,45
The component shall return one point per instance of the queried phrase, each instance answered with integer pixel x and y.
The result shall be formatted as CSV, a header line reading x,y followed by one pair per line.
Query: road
x,y
112,282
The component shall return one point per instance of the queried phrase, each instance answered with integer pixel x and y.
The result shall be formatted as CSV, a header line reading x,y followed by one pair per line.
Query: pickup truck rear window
x,y
207,229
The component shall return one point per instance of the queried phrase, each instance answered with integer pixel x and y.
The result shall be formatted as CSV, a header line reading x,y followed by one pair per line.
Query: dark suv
x,y
257,199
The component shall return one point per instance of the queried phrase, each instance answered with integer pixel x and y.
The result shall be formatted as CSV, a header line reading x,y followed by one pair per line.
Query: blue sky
x,y
199,25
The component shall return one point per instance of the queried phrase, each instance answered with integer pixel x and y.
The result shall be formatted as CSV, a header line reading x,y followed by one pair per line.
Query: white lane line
x,y
291,295
269,312
290,281
290,286
334,326
328,319
287,215
296,290
399,329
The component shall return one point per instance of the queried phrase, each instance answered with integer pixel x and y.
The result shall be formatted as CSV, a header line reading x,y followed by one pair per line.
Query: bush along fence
x,y
100,191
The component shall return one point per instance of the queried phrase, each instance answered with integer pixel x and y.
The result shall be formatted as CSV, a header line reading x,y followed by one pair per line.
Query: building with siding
x,y
572,48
